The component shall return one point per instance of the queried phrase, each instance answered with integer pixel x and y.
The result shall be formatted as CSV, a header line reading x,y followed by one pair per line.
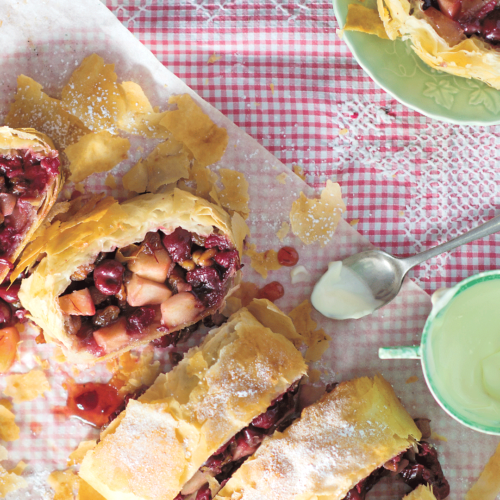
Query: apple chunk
x,y
143,292
154,267
112,337
9,338
180,309
78,303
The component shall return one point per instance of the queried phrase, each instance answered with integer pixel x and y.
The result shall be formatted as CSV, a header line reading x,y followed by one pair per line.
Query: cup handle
x,y
402,352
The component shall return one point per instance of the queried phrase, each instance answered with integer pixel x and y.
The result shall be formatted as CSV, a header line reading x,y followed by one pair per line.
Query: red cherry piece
x,y
178,244
140,319
5,314
272,291
108,276
10,293
288,256
219,241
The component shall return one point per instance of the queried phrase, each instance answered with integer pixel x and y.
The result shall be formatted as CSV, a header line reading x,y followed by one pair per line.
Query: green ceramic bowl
x,y
399,71
442,300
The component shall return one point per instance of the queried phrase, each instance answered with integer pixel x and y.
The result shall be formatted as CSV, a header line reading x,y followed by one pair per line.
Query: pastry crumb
x,y
412,379
299,171
317,340
26,386
262,262
64,483
213,59
281,178
10,480
283,231
9,431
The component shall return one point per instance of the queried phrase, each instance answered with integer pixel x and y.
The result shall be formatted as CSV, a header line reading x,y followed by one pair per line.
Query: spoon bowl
x,y
382,273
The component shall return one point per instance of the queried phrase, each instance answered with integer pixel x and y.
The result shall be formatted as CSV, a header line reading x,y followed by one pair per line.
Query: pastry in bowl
x,y
460,37
207,415
30,181
123,275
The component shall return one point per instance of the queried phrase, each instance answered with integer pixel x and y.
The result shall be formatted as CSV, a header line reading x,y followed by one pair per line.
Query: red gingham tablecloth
x,y
286,78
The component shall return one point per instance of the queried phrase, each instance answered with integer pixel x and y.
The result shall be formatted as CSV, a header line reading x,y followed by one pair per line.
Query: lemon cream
x,y
463,345
342,294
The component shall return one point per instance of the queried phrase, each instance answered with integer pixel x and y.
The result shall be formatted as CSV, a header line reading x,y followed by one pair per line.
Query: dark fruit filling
x,y
414,467
160,285
454,18
11,311
23,183
229,457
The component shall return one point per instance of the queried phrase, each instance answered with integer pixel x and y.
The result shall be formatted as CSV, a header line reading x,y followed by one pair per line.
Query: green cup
x,y
441,301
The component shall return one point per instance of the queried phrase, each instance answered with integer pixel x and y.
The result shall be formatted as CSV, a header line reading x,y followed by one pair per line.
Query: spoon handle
x,y
490,227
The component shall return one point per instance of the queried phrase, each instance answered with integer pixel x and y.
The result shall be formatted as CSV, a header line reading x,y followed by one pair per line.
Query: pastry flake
x,y
94,153
9,481
316,219
191,126
33,108
26,386
365,20
64,483
317,340
283,231
262,262
166,164
421,492
234,196
9,431
139,117
93,96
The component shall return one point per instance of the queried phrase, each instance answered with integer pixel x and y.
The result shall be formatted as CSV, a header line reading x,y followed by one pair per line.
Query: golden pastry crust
x,y
117,226
12,142
470,58
337,442
159,442
421,492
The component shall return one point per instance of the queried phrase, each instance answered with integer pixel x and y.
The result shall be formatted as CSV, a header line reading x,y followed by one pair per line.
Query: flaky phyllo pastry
x,y
220,401
114,276
30,180
456,36
340,447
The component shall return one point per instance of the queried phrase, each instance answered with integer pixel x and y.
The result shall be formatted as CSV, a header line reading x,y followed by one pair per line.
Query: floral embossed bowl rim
x,y
399,71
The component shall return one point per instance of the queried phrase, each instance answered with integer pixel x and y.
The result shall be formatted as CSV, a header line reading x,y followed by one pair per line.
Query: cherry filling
x,y
229,457
163,284
24,180
415,467
454,18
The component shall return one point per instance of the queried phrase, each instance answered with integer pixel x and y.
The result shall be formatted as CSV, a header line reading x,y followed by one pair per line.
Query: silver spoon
x,y
384,274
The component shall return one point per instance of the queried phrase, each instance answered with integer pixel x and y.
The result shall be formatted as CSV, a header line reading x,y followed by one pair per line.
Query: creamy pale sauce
x,y
465,343
342,294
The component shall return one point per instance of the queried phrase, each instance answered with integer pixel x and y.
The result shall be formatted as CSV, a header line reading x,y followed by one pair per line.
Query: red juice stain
x,y
36,428
92,402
